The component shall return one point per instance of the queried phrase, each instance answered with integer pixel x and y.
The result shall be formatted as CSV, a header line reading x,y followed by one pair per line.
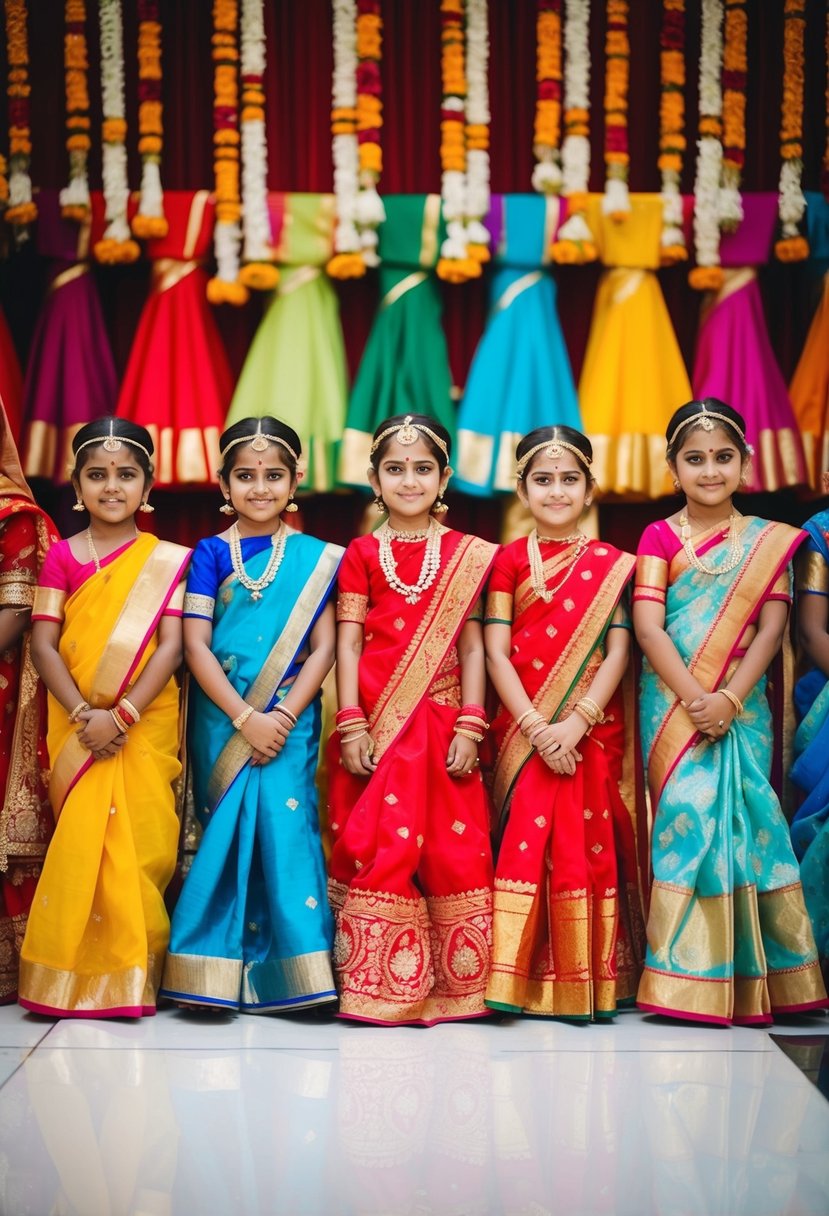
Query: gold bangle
x,y
739,708
596,711
468,734
119,721
79,708
286,713
130,708
239,722
588,717
526,714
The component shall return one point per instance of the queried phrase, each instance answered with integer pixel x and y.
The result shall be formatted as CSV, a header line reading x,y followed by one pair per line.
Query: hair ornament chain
x,y
259,442
113,443
408,432
707,419
554,448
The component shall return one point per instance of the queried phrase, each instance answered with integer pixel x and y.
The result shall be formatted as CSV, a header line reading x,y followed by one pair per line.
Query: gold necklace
x,y
411,592
735,547
93,552
257,585
537,579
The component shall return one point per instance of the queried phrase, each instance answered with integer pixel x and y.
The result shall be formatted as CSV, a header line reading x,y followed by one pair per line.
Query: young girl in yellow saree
x,y
107,641
729,939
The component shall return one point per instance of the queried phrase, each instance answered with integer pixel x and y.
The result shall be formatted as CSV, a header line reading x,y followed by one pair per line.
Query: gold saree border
x,y
133,988
195,976
237,751
449,605
555,690
812,573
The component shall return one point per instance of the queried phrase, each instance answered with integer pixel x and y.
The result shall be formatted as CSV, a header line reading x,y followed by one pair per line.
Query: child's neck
x,y
409,523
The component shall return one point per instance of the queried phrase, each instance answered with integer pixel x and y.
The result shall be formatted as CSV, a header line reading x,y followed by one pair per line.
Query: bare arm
x,y
356,754
322,645
13,624
663,656
463,753
813,628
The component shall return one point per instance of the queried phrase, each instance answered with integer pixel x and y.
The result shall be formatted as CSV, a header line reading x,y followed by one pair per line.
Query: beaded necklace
x,y
411,592
257,585
735,547
539,583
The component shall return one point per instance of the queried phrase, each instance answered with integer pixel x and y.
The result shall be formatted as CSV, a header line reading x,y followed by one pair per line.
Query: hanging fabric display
x,y
633,375
178,382
70,375
405,365
672,141
734,359
792,246
149,221
520,377
74,198
21,210
295,368
809,387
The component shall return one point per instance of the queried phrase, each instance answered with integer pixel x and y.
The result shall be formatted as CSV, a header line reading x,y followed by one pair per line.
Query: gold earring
x,y
226,508
291,506
440,507
379,505
677,486
78,504
146,507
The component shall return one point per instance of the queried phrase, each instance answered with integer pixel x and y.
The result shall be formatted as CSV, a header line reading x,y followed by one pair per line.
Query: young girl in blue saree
x,y
729,939
252,929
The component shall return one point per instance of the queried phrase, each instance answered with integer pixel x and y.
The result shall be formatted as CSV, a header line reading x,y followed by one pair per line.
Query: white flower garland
x,y
791,205
256,224
114,167
575,149
453,196
477,114
344,146
673,235
709,158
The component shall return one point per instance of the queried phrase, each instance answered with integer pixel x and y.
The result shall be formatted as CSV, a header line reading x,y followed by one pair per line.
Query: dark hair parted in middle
x,y
705,415
111,431
253,430
409,428
547,436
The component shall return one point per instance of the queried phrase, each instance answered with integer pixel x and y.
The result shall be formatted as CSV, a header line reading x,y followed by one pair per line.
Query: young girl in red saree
x,y
411,866
567,928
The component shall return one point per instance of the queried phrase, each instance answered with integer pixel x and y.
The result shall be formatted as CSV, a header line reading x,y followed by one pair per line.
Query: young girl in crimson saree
x,y
106,641
810,771
411,866
252,929
729,939
568,933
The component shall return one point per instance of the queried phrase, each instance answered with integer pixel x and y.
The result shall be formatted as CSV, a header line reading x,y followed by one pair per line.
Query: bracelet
x,y
739,708
357,734
346,728
477,711
590,710
283,709
528,725
469,734
348,714
239,722
475,719
526,714
133,713
79,708
119,722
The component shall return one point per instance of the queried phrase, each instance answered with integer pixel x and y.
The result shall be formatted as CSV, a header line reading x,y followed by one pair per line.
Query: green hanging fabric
x,y
295,368
405,367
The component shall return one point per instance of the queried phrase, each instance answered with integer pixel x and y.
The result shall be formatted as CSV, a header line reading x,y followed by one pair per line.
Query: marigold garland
x,y
225,286
347,261
477,130
116,244
74,198
370,211
616,202
735,67
672,142
707,275
455,265
575,242
258,271
792,247
547,127
21,210
149,221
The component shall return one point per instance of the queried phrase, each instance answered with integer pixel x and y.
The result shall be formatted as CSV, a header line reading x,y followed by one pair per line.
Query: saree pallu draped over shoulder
x,y
252,929
411,865
568,929
98,928
729,939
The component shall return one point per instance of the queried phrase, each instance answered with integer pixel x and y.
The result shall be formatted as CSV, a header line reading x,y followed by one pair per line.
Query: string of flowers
x,y
21,210
370,211
616,201
546,177
225,287
150,221
735,66
258,270
477,129
707,275
347,262
455,264
791,206
116,245
74,198
672,141
575,241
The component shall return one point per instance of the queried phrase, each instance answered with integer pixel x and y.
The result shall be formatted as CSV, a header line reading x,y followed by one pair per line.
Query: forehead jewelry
x,y
408,432
113,443
259,442
554,448
707,419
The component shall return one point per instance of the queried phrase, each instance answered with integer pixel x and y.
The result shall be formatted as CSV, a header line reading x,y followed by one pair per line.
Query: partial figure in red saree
x,y
568,929
411,866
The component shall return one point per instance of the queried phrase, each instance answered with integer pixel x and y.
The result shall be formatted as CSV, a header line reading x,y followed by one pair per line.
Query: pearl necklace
x,y
257,585
411,592
93,552
735,547
537,579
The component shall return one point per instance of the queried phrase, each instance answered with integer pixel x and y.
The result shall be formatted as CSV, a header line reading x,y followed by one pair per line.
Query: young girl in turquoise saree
x,y
729,939
252,929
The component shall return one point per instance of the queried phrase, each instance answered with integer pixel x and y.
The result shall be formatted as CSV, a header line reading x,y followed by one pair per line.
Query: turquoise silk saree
x,y
729,939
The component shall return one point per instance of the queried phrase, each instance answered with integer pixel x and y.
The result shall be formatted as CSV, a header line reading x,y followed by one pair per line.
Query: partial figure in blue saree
x,y
810,771
252,929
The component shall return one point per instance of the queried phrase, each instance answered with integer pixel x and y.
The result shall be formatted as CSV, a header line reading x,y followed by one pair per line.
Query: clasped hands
x,y
556,743
711,713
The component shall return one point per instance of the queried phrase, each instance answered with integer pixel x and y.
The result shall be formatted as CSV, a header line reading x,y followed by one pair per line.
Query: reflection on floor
x,y
244,1116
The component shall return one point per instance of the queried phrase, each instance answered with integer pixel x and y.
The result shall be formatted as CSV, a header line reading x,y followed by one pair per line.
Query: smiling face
x,y
557,492
111,484
260,485
408,478
708,467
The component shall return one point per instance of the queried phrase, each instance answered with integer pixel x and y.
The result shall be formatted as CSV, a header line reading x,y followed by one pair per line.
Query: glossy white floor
x,y
250,1115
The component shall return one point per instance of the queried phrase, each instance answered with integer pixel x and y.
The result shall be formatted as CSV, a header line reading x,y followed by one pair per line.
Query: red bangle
x,y
477,710
124,714
349,713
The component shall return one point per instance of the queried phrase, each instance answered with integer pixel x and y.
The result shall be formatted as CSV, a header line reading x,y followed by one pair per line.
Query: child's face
x,y
409,479
111,484
556,491
708,467
260,486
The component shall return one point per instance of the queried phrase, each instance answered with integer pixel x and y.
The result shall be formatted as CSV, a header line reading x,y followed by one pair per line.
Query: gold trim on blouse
x,y
49,602
199,605
812,573
351,606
